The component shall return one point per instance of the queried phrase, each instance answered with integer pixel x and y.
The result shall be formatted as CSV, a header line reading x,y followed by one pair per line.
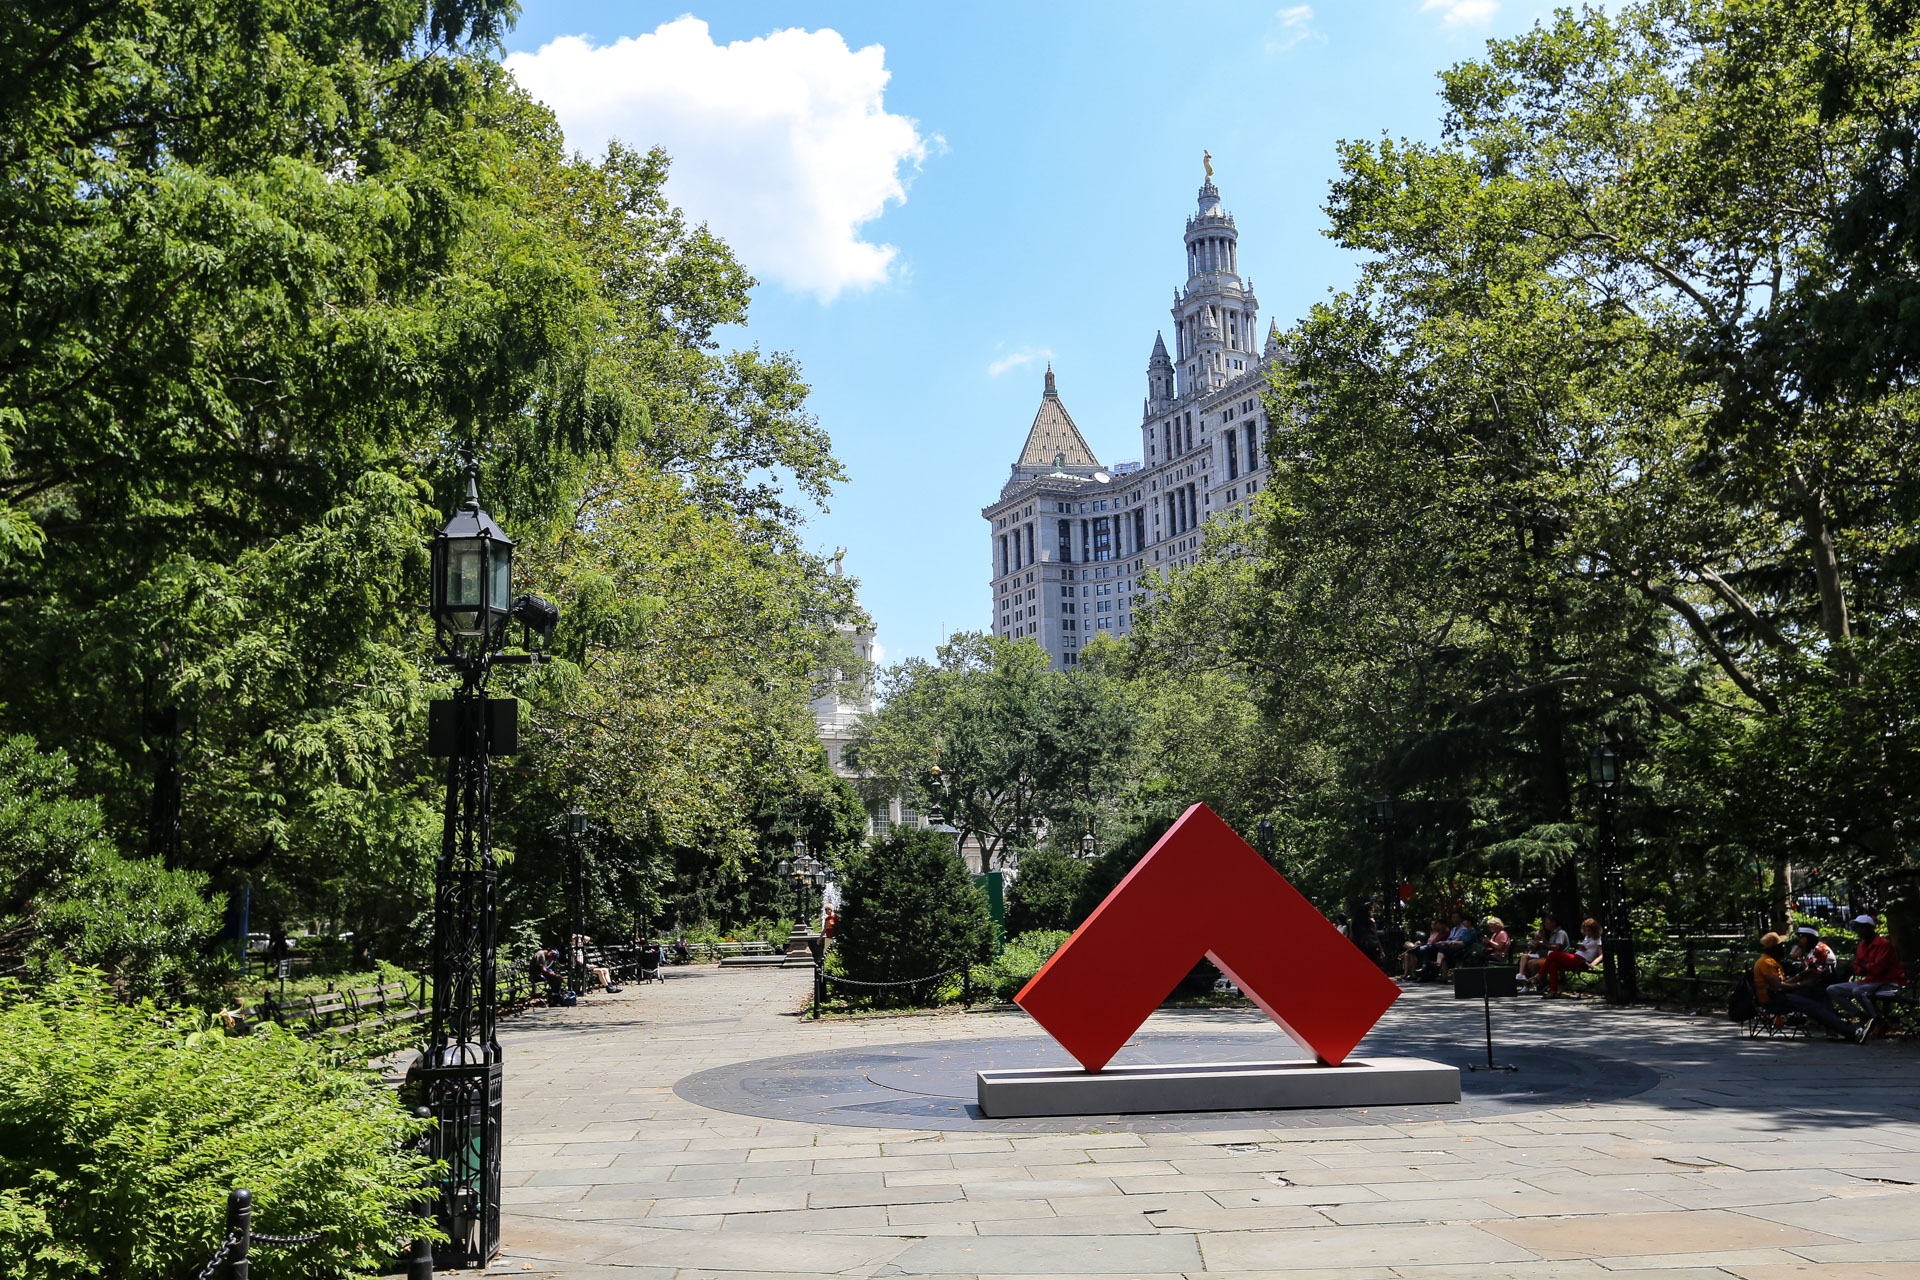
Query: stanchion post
x,y
239,1230
966,986
817,981
420,1264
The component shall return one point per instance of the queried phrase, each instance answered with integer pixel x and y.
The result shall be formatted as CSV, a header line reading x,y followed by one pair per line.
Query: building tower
x,y
1075,546
1159,378
1215,315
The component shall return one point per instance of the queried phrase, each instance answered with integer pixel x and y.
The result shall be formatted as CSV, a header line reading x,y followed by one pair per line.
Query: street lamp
x,y
471,601
1382,818
1603,771
1086,841
1266,838
576,898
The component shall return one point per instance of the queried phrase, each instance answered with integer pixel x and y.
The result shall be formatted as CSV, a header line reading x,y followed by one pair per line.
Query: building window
x,y
1066,541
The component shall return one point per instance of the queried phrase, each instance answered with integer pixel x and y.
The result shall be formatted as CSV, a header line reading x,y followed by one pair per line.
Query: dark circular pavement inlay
x,y
930,1085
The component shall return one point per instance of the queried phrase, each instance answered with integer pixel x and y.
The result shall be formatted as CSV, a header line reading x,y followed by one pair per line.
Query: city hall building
x,y
1073,542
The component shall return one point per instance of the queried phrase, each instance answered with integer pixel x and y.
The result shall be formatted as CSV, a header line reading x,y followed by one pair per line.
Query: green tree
x,y
1043,893
1020,747
909,910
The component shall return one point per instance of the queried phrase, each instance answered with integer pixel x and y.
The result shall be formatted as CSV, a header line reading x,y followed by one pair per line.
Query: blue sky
x,y
937,199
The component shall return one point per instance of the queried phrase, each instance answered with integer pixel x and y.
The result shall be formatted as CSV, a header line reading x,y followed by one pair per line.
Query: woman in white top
x,y
1584,956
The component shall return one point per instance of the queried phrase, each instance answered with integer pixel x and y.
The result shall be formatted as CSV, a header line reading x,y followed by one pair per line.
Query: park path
x,y
1753,1160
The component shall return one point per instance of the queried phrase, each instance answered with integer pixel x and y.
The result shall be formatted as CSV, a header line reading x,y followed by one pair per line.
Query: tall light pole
x,y
472,603
576,899
1603,770
1087,842
1382,818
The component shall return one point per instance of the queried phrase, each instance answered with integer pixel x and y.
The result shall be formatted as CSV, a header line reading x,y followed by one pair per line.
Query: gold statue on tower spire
x,y
1206,158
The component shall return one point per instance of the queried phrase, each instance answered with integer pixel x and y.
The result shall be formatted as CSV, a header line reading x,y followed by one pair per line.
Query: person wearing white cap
x,y
1815,957
1876,972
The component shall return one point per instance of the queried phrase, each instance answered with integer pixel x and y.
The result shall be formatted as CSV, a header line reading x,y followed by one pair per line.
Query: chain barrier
x,y
907,982
260,1237
219,1256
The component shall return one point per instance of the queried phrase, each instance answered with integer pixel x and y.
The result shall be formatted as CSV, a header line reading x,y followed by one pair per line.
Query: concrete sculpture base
x,y
1216,1086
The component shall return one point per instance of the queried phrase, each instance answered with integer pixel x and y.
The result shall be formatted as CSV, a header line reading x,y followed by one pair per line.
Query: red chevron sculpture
x,y
1203,891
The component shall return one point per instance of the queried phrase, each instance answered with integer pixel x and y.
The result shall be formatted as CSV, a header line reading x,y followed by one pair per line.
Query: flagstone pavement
x,y
1759,1160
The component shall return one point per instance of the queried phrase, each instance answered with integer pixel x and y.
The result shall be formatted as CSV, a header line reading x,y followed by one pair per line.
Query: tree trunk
x,y
1777,896
163,815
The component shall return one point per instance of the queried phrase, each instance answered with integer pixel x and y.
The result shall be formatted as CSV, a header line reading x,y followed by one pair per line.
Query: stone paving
x,y
1758,1160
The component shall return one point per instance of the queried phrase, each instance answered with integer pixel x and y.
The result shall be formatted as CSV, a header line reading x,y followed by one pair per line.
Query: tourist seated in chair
x,y
1499,945
1876,972
1548,939
1775,991
1809,955
1586,955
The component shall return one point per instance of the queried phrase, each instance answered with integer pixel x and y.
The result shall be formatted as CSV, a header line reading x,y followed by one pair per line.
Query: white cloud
x,y
1458,13
1290,26
1018,359
781,144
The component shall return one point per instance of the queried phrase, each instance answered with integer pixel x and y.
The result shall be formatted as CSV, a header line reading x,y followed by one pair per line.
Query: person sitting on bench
x,y
1584,956
1414,954
1461,946
542,971
1499,945
1774,991
1876,972
1549,939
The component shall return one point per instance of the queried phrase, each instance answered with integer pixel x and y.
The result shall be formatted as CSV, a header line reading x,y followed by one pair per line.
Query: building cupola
x,y
1159,376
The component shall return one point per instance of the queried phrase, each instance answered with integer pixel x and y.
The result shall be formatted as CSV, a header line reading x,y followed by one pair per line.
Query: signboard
x,y
994,885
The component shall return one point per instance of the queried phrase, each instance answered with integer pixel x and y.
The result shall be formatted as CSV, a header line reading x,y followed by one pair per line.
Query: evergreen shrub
x,y
1043,894
909,910
121,1135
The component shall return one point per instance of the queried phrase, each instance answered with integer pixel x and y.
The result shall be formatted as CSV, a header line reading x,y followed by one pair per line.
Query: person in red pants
x,y
1584,956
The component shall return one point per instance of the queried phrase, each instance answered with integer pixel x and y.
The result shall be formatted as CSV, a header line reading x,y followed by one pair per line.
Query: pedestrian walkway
x,y
1745,1159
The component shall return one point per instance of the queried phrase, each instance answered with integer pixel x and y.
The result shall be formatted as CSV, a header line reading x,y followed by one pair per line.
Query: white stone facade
x,y
1075,544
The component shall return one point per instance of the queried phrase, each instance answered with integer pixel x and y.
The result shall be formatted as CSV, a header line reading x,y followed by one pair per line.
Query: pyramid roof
x,y
1053,435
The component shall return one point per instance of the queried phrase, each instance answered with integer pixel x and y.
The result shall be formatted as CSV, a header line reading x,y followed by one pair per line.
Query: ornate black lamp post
x,y
807,872
1382,819
576,898
1266,838
1087,843
472,603
1603,770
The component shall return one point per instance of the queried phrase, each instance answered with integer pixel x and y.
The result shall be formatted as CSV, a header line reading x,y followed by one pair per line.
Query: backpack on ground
x,y
1741,1006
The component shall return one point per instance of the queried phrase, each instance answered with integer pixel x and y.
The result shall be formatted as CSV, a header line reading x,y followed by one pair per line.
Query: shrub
x,y
1016,964
143,923
1043,893
909,910
121,1135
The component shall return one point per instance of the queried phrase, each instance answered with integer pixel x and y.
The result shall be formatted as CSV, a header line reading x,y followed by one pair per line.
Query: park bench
x,y
390,1004
327,1013
717,950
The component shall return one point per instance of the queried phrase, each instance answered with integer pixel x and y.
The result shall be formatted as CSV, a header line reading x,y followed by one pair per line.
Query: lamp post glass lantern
x,y
470,598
